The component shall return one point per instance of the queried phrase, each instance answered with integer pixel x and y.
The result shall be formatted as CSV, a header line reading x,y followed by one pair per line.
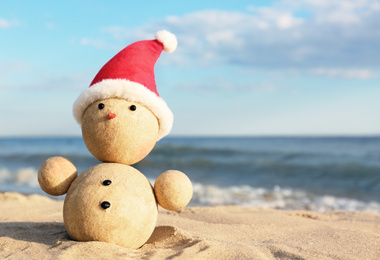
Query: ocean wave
x,y
22,177
305,173
342,177
25,180
276,198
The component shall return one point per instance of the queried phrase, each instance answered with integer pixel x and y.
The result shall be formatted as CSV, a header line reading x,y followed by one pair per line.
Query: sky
x,y
286,67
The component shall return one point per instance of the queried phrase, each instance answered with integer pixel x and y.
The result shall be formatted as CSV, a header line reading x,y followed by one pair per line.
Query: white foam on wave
x,y
276,198
211,195
23,176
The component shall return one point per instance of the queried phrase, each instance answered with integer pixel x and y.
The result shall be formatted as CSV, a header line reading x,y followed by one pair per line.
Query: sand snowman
x,y
122,117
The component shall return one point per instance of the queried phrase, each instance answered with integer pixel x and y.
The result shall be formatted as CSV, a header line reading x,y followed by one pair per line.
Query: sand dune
x,y
31,227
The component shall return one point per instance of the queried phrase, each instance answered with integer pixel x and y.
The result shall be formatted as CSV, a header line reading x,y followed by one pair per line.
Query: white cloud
x,y
75,81
230,86
306,35
270,17
223,82
50,25
15,66
97,44
35,80
345,73
4,23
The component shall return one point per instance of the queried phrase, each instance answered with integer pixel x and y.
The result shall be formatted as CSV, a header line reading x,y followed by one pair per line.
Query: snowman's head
x,y
118,130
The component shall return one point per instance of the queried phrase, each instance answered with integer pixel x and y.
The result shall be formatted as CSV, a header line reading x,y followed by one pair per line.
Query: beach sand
x,y
31,227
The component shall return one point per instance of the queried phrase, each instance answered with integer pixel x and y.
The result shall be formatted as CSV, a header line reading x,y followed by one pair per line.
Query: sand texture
x,y
31,227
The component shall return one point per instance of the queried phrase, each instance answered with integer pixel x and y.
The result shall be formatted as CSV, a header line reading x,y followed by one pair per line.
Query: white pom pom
x,y
168,39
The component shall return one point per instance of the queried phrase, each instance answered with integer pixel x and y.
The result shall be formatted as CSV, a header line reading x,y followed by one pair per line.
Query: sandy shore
x,y
31,227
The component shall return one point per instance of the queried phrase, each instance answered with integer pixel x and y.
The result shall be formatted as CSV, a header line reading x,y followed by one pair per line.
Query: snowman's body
x,y
111,202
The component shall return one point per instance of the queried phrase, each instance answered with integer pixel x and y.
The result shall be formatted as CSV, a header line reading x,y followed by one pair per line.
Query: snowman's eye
x,y
107,182
105,205
101,106
132,108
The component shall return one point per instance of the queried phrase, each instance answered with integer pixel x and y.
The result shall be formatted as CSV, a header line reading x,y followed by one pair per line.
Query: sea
x,y
289,173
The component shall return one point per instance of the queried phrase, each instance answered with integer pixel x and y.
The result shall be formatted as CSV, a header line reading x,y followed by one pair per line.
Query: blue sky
x,y
291,67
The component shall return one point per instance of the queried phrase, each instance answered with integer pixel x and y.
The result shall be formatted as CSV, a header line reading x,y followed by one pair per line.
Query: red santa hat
x,y
130,75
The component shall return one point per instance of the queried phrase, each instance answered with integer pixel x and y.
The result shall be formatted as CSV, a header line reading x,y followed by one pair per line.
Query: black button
x,y
105,204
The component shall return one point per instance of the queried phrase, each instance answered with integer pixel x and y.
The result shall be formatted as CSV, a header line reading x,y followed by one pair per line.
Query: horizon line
x,y
214,136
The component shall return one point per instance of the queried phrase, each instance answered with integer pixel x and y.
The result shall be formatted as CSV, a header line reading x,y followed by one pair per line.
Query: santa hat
x,y
130,75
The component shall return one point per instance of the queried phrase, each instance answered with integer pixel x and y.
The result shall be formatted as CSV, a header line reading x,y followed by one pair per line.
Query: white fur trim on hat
x,y
131,91
168,39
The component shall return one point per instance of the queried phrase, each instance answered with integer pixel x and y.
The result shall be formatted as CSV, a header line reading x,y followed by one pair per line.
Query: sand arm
x,y
56,174
173,190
